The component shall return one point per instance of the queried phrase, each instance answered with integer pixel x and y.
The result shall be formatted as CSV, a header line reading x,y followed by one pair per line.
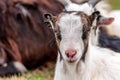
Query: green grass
x,y
32,75
36,78
115,4
42,73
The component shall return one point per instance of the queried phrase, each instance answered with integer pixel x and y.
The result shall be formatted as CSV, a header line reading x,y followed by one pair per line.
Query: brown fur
x,y
26,38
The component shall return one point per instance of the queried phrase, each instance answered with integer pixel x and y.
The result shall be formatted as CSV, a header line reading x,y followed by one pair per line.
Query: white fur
x,y
84,7
104,7
19,66
115,26
105,10
64,70
24,11
71,32
100,63
88,9
69,41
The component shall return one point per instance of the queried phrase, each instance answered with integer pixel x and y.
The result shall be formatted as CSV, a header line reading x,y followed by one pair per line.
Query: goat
x,y
25,42
82,58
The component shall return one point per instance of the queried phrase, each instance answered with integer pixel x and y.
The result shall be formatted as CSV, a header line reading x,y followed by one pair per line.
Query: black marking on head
x,y
51,22
87,25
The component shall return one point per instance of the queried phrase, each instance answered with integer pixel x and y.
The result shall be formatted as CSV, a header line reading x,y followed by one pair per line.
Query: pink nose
x,y
70,53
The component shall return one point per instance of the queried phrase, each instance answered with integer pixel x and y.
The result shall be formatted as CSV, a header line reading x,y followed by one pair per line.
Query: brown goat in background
x,y
25,41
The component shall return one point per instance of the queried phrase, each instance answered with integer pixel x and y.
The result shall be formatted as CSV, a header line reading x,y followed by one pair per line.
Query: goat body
x,y
100,64
24,37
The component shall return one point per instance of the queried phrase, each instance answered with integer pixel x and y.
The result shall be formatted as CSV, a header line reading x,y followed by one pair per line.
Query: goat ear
x,y
101,21
95,14
50,17
105,21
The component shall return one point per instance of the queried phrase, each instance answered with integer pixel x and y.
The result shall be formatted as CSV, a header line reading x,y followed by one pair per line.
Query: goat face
x,y
71,44
74,29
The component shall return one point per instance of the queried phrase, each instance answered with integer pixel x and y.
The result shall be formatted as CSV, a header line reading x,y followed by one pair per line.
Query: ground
x,y
32,75
42,73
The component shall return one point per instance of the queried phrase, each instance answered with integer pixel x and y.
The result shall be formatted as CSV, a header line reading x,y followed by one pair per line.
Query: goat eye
x,y
59,37
84,36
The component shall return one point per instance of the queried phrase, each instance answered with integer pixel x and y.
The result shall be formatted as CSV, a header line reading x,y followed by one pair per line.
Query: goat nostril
x,y
67,54
70,53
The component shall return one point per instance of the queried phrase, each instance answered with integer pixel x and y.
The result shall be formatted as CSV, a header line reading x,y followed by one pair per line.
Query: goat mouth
x,y
71,60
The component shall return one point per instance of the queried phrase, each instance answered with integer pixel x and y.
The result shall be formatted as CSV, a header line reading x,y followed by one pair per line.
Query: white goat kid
x,y
82,59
